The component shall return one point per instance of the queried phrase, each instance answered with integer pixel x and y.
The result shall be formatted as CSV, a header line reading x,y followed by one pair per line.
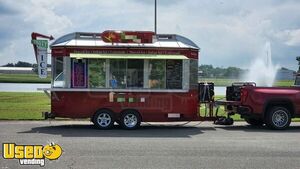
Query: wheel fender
x,y
279,102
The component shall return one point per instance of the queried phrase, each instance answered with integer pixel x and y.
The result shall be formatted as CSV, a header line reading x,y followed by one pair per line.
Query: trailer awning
x,y
125,56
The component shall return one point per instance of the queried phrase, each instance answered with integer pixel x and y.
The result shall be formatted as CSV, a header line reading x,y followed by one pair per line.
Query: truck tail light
x,y
244,95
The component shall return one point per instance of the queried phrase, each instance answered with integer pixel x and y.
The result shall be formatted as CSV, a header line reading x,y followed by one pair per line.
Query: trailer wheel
x,y
103,119
130,119
254,122
278,118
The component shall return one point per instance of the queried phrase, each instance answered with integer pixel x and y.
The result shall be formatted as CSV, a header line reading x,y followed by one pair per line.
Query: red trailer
x,y
126,77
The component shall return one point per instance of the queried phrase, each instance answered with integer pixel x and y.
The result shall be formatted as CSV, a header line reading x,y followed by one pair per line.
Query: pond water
x,y
22,87
32,87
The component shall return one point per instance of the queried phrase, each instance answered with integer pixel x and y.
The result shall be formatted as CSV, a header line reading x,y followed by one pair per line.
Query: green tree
x,y
210,71
23,64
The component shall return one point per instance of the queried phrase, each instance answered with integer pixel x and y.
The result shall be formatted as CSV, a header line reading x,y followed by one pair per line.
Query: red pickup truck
x,y
273,106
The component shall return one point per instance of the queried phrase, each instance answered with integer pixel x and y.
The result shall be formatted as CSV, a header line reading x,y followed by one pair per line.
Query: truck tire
x,y
103,119
278,118
254,122
130,119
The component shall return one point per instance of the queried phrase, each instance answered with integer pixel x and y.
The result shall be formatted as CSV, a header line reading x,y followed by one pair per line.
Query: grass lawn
x,y
221,111
284,83
219,81
228,82
28,106
23,78
23,106
33,78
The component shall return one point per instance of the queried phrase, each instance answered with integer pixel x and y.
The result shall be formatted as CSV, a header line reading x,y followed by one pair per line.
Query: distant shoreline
x,y
23,78
26,82
33,78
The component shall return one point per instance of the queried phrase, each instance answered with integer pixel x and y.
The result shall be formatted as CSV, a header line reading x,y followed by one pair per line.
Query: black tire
x,y
278,118
130,119
254,122
103,119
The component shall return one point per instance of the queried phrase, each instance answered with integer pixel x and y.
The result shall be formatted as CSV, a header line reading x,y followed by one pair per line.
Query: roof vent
x,y
88,36
165,37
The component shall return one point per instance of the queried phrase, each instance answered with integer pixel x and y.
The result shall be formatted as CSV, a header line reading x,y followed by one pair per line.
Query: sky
x,y
229,33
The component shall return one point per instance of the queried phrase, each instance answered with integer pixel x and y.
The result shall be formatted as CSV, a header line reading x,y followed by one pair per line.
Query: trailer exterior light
x,y
244,95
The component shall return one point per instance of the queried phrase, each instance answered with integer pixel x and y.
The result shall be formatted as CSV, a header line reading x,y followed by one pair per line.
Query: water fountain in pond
x,y
262,71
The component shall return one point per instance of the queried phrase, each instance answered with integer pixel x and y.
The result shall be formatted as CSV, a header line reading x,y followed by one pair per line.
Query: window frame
x,y
56,75
146,72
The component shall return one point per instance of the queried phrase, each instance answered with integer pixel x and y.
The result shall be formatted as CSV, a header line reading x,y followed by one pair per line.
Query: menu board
x,y
174,74
79,74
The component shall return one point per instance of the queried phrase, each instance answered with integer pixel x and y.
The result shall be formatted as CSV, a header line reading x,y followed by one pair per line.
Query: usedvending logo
x,y
31,154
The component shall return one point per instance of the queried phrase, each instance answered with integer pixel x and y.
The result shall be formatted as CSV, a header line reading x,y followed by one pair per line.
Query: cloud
x,y
27,17
294,38
6,10
44,19
230,33
290,37
233,33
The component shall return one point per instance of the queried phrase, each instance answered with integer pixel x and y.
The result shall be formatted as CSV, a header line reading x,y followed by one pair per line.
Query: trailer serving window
x,y
131,71
58,73
97,73
117,74
135,73
126,73
157,74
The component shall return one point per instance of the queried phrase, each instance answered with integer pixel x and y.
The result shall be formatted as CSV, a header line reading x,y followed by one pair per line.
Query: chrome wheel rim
x,y
130,120
280,118
104,119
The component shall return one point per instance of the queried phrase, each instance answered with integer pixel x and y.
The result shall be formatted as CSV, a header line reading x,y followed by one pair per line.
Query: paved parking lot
x,y
194,145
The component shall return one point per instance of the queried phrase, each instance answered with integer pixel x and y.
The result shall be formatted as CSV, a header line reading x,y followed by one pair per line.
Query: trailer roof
x,y
95,40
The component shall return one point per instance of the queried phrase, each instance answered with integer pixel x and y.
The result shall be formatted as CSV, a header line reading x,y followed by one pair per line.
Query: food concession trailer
x,y
127,77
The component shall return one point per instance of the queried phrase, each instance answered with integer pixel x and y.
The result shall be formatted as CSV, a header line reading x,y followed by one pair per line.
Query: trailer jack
x,y
48,115
210,115
224,121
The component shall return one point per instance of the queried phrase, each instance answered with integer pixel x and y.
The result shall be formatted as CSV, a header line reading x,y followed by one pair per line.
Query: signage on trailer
x,y
42,46
127,36
174,74
79,74
42,62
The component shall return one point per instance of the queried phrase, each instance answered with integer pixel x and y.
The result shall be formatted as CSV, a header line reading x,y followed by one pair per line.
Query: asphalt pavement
x,y
157,145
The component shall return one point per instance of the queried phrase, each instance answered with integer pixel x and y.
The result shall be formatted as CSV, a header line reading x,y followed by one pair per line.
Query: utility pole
x,y
155,16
